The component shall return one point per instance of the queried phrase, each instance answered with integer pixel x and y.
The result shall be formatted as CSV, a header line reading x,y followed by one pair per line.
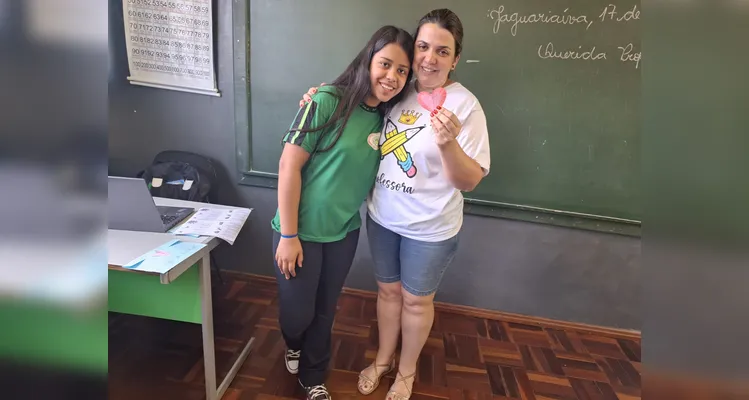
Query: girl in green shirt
x,y
328,165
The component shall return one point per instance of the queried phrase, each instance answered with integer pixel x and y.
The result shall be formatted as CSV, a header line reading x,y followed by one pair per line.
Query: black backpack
x,y
175,168
181,175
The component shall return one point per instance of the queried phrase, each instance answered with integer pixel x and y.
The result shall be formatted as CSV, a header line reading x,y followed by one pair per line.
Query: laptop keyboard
x,y
167,219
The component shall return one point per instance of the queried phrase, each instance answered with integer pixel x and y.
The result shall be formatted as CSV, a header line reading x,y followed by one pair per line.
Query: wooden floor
x,y
469,354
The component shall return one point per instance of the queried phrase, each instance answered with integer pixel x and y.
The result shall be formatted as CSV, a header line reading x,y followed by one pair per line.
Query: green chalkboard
x,y
559,82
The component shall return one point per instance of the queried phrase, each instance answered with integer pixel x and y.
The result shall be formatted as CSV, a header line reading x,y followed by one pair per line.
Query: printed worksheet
x,y
222,223
164,257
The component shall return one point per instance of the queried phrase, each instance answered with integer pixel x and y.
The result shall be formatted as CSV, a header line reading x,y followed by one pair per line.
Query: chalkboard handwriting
x,y
609,12
511,21
628,54
501,17
548,51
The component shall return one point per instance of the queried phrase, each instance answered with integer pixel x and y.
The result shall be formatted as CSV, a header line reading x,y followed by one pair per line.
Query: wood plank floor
x,y
469,354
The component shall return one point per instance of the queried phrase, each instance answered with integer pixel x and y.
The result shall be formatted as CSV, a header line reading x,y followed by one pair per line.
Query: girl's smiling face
x,y
388,73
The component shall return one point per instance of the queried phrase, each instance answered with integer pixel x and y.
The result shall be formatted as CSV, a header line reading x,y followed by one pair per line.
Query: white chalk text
x,y
628,54
548,51
507,20
501,18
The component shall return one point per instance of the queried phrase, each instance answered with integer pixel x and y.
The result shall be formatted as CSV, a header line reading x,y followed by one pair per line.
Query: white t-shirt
x,y
412,196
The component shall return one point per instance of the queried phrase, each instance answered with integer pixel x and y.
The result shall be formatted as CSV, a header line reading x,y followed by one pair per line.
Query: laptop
x,y
131,208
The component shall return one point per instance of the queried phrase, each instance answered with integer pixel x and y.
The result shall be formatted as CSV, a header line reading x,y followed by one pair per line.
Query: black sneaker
x,y
317,392
292,361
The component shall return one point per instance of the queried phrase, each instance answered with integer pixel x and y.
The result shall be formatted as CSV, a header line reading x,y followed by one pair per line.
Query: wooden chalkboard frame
x,y
252,177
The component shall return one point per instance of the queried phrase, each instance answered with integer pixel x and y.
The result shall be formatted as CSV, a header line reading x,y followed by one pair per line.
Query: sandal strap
x,y
366,378
395,396
403,379
377,373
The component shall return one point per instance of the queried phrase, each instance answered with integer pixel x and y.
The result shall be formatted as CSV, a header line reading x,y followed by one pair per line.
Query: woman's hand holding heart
x,y
445,125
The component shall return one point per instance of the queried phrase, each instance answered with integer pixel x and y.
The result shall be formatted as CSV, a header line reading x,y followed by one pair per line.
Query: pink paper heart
x,y
431,101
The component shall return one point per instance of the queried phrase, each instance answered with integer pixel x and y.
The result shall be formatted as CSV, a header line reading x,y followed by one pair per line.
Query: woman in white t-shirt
x,y
434,145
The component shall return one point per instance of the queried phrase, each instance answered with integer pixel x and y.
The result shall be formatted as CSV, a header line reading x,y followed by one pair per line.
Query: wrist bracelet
x,y
288,236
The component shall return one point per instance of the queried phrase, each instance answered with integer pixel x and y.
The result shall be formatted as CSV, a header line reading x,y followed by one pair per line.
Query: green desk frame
x,y
181,294
145,295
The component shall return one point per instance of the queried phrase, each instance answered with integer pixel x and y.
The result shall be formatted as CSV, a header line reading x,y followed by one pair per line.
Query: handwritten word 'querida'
x,y
501,17
548,51
627,53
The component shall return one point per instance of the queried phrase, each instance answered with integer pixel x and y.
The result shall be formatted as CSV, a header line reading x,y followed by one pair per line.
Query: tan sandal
x,y
365,381
393,395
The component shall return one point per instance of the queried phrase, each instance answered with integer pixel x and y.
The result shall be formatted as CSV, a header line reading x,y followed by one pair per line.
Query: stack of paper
x,y
164,257
217,222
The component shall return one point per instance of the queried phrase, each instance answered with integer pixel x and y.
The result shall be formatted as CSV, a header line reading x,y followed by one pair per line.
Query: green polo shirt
x,y
335,183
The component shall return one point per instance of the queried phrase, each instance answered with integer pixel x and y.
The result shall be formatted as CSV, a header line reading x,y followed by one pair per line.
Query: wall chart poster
x,y
170,44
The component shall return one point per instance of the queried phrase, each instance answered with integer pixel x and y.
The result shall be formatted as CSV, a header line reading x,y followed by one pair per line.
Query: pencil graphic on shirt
x,y
394,142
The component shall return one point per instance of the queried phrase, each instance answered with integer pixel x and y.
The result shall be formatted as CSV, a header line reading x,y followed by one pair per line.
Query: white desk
x,y
124,246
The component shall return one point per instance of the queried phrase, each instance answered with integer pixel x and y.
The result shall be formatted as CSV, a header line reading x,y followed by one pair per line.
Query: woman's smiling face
x,y
434,56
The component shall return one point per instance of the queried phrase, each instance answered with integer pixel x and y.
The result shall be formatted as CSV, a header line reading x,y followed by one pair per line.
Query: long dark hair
x,y
448,20
354,84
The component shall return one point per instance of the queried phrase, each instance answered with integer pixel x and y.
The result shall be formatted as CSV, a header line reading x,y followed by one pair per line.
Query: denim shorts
x,y
418,265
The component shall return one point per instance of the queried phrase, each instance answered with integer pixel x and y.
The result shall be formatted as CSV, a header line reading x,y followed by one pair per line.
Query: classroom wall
x,y
513,266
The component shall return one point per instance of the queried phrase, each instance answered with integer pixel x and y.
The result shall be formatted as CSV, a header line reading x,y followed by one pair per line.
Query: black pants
x,y
307,302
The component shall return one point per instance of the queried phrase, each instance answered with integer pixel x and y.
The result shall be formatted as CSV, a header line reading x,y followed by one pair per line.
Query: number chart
x,y
170,44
